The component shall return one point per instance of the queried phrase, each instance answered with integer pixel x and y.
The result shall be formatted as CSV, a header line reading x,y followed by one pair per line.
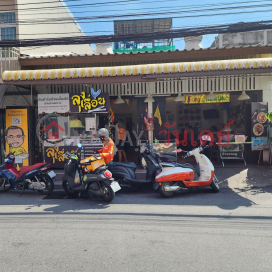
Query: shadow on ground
x,y
238,184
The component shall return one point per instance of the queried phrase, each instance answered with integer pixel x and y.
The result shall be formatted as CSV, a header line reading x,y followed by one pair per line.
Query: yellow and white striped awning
x,y
136,70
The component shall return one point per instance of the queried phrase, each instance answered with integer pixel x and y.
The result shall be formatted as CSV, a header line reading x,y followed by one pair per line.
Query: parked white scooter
x,y
176,177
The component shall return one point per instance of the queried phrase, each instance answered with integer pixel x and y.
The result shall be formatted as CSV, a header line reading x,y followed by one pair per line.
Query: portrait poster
x,y
16,135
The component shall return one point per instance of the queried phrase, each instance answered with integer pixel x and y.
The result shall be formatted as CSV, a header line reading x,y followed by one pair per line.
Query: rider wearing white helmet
x,y
108,145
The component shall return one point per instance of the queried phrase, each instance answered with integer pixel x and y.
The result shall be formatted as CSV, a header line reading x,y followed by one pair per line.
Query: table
x,y
232,151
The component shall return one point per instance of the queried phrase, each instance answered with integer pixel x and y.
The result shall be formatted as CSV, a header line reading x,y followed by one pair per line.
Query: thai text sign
x,y
91,102
48,103
201,98
84,102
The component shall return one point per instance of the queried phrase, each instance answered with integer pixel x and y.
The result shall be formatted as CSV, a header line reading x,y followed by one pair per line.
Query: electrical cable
x,y
164,12
173,17
106,31
121,2
215,29
188,7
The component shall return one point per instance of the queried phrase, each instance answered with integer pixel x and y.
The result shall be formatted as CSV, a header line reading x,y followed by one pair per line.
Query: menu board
x,y
259,126
188,115
90,145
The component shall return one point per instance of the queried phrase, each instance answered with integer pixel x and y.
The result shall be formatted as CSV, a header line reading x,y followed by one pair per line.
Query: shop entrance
x,y
213,117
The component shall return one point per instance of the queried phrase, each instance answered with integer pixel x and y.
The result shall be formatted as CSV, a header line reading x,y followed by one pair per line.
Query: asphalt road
x,y
138,231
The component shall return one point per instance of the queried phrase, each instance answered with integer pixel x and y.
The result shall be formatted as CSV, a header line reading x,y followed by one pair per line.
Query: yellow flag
x,y
127,101
157,114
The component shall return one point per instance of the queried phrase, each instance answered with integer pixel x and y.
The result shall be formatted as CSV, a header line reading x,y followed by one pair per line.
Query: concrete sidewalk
x,y
234,176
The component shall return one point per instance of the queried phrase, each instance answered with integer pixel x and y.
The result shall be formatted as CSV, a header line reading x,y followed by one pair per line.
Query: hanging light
x,y
211,96
119,100
149,99
179,98
243,96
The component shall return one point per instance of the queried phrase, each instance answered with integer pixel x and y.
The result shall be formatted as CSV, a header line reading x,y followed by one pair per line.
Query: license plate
x,y
51,174
115,186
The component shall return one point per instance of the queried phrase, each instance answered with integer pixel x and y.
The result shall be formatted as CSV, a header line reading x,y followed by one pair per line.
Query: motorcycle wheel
x,y
109,193
162,191
67,188
215,185
49,184
4,185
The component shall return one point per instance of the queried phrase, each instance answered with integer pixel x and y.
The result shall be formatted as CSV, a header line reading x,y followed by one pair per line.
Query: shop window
x,y
8,33
7,17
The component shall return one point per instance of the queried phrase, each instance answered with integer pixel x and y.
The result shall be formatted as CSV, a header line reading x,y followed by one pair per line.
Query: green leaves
x,y
269,116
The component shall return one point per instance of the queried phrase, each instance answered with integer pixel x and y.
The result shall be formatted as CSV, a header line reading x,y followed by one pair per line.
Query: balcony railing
x,y
9,59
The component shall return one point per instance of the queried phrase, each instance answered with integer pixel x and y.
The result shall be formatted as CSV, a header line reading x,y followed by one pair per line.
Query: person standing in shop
x,y
189,145
121,144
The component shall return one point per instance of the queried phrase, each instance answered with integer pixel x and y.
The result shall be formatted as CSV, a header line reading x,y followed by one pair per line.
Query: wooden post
x,y
259,157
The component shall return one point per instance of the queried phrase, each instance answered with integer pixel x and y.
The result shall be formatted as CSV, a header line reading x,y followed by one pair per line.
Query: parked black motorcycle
x,y
98,183
124,172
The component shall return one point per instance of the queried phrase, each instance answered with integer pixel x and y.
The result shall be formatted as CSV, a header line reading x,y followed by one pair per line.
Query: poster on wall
x,y
48,103
259,127
189,115
90,124
16,136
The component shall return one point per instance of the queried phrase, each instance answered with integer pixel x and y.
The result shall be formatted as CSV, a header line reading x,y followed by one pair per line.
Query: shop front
x,y
65,120
232,124
148,92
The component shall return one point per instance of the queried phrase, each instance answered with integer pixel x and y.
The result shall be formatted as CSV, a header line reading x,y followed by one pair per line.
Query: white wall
x,y
63,30
264,83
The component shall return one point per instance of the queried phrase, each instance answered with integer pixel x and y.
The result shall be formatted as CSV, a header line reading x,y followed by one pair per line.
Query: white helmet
x,y
103,132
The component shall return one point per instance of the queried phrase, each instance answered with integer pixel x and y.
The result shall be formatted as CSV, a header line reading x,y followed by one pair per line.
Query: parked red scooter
x,y
36,177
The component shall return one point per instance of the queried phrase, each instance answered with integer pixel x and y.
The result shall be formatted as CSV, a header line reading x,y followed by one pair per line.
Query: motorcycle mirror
x,y
79,145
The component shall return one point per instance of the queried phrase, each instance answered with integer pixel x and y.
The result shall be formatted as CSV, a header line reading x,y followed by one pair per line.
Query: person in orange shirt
x,y
108,146
121,145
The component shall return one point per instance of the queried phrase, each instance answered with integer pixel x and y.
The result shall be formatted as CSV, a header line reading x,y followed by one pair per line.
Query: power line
x,y
103,31
216,29
188,7
106,31
121,2
90,20
58,2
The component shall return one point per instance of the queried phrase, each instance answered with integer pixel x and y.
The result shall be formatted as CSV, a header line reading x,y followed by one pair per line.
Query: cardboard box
x,y
240,138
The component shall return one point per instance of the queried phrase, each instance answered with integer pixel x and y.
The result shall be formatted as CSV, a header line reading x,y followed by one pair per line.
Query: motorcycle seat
x,y
25,169
125,164
186,165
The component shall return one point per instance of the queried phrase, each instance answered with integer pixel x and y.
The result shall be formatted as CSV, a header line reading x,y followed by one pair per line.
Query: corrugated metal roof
x,y
136,70
133,53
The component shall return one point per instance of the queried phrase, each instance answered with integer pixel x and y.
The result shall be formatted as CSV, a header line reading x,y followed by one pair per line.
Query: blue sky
x,y
145,6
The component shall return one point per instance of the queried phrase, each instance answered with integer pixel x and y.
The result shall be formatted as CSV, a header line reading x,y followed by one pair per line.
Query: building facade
x,y
22,20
